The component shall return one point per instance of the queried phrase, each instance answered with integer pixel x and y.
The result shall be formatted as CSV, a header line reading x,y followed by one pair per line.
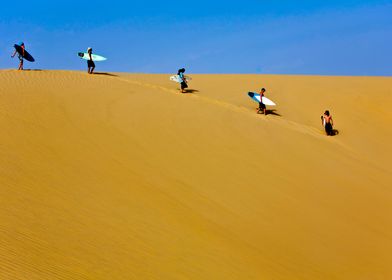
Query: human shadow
x,y
191,91
105,74
334,132
272,112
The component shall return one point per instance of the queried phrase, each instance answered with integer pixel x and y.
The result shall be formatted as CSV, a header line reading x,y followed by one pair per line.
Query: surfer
x,y
90,62
20,55
183,80
327,122
262,108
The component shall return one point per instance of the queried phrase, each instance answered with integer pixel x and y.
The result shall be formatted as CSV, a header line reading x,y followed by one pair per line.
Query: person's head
x,y
21,44
89,50
263,90
326,113
182,70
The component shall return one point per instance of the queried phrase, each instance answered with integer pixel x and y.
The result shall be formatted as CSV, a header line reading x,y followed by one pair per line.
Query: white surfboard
x,y
95,57
177,79
256,97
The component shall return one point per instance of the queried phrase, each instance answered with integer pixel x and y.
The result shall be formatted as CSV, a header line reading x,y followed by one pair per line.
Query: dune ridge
x,y
121,177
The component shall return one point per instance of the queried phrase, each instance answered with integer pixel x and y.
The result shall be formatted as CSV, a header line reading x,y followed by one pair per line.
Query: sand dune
x,y
121,177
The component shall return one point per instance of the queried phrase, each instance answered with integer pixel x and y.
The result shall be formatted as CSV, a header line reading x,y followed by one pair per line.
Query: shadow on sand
x,y
334,132
273,112
191,91
105,74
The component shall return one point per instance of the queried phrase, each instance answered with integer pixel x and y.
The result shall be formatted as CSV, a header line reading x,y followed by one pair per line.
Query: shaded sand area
x,y
122,177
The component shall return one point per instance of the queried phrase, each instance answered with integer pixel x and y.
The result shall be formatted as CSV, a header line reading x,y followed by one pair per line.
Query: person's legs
x,y
262,108
20,65
183,87
328,129
259,110
92,67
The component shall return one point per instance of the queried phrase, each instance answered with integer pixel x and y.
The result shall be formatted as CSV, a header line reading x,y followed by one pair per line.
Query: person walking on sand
x,y
182,79
90,62
20,56
327,122
262,108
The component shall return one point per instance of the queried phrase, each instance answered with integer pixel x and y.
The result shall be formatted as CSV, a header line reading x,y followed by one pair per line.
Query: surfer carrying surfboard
x,y
90,62
327,122
262,108
182,79
20,55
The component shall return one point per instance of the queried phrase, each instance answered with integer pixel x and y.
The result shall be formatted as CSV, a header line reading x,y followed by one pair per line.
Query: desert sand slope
x,y
121,177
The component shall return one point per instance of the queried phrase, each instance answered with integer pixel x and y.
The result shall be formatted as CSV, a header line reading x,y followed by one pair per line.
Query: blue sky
x,y
278,37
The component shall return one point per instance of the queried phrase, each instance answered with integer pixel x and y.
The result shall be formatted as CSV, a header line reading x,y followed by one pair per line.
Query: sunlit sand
x,y
122,177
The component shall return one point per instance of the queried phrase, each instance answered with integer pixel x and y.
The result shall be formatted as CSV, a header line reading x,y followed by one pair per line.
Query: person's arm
x,y
14,54
331,121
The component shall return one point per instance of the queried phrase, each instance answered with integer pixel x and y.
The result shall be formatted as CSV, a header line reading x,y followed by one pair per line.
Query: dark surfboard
x,y
26,55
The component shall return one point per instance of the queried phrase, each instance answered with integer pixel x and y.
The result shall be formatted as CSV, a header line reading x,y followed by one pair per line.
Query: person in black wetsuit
x,y
327,122
183,80
20,56
262,108
90,62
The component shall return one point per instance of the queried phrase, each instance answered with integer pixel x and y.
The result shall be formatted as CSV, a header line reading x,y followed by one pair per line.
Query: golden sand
x,y
121,177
